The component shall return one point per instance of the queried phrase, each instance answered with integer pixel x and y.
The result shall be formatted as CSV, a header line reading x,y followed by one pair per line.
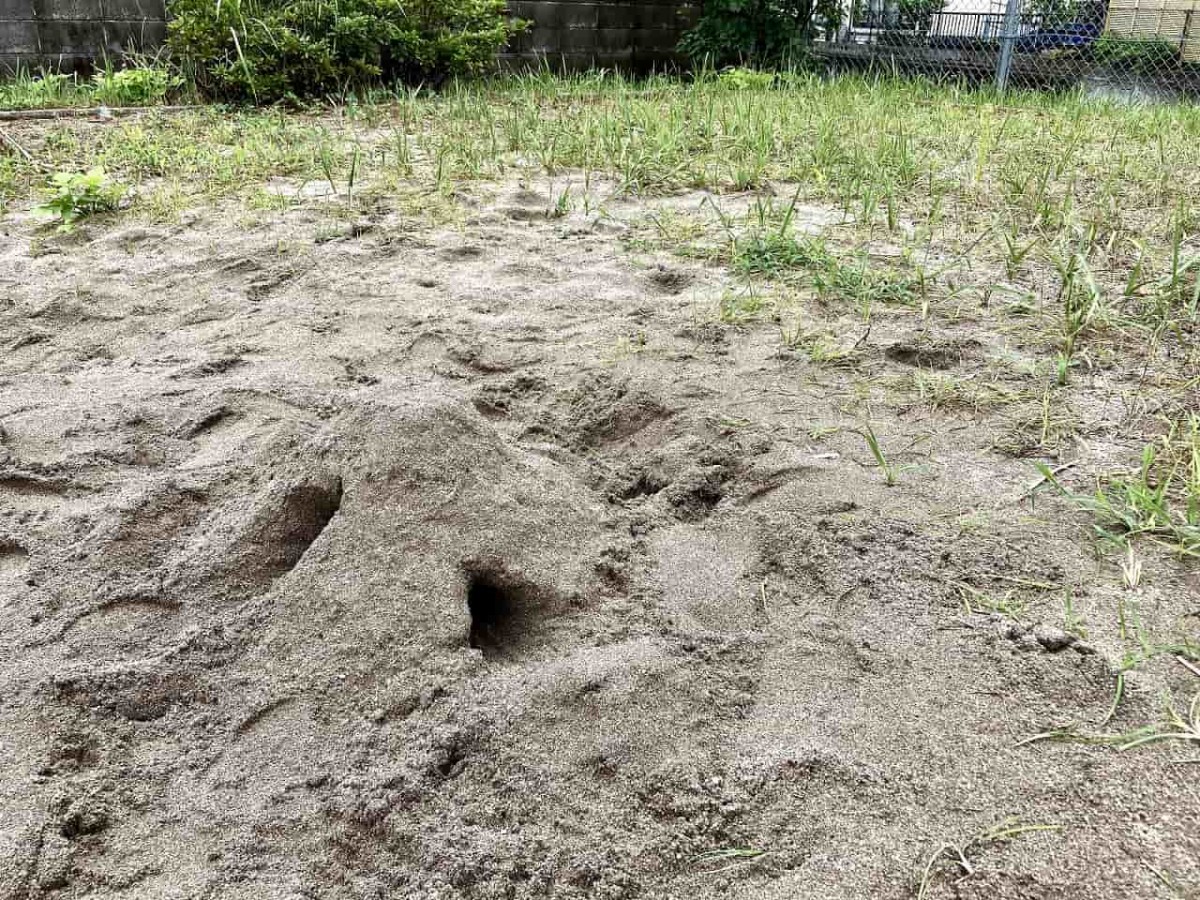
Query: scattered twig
x,y
1188,664
74,112
837,604
11,142
738,855
1163,877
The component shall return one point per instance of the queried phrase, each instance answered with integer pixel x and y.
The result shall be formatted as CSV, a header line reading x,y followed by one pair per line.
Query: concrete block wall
x,y
71,34
573,34
580,34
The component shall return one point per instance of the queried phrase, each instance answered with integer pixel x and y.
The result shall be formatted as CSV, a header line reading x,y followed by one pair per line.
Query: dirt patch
x,y
13,559
493,568
934,353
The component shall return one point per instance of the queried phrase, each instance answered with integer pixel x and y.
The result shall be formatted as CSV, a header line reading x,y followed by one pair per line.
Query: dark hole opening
x,y
454,757
493,608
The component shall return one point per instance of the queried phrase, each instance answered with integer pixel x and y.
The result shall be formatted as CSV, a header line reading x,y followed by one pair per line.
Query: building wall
x,y
1173,21
635,34
70,34
579,34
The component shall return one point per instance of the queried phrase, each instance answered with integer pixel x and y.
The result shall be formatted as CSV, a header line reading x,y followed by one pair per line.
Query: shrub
x,y
1136,54
759,32
267,50
918,14
79,194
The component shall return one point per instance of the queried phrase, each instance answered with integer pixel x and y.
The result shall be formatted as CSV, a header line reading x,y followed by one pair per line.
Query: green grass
x,y
1159,501
855,141
1096,196
144,83
1176,724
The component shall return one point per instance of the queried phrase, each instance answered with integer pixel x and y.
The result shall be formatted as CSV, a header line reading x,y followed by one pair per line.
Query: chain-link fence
x,y
1131,47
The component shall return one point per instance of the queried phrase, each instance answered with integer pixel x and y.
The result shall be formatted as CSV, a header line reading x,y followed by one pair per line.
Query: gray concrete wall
x,y
579,34
575,34
70,34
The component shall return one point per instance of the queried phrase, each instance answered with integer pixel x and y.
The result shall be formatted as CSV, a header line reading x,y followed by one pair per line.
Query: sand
x,y
481,562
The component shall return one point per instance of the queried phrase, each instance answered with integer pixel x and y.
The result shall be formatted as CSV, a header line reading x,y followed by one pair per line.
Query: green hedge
x,y
767,33
269,50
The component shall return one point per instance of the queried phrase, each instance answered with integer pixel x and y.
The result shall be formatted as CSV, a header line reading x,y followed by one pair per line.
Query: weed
x,y
49,89
891,473
1011,604
1015,252
1179,289
560,206
1082,304
820,346
775,252
1073,622
820,432
865,287
77,195
731,853
730,856
1041,427
1175,725
769,247
272,50
959,854
1160,500
143,83
941,391
136,86
738,306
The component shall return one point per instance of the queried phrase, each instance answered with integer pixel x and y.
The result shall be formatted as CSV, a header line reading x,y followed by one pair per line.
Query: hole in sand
x,y
32,484
307,510
452,763
13,558
493,608
507,613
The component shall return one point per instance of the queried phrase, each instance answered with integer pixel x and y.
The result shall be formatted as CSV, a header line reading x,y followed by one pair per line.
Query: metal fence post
x,y
1008,39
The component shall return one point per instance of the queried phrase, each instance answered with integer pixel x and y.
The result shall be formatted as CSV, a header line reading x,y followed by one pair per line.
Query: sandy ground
x,y
483,563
